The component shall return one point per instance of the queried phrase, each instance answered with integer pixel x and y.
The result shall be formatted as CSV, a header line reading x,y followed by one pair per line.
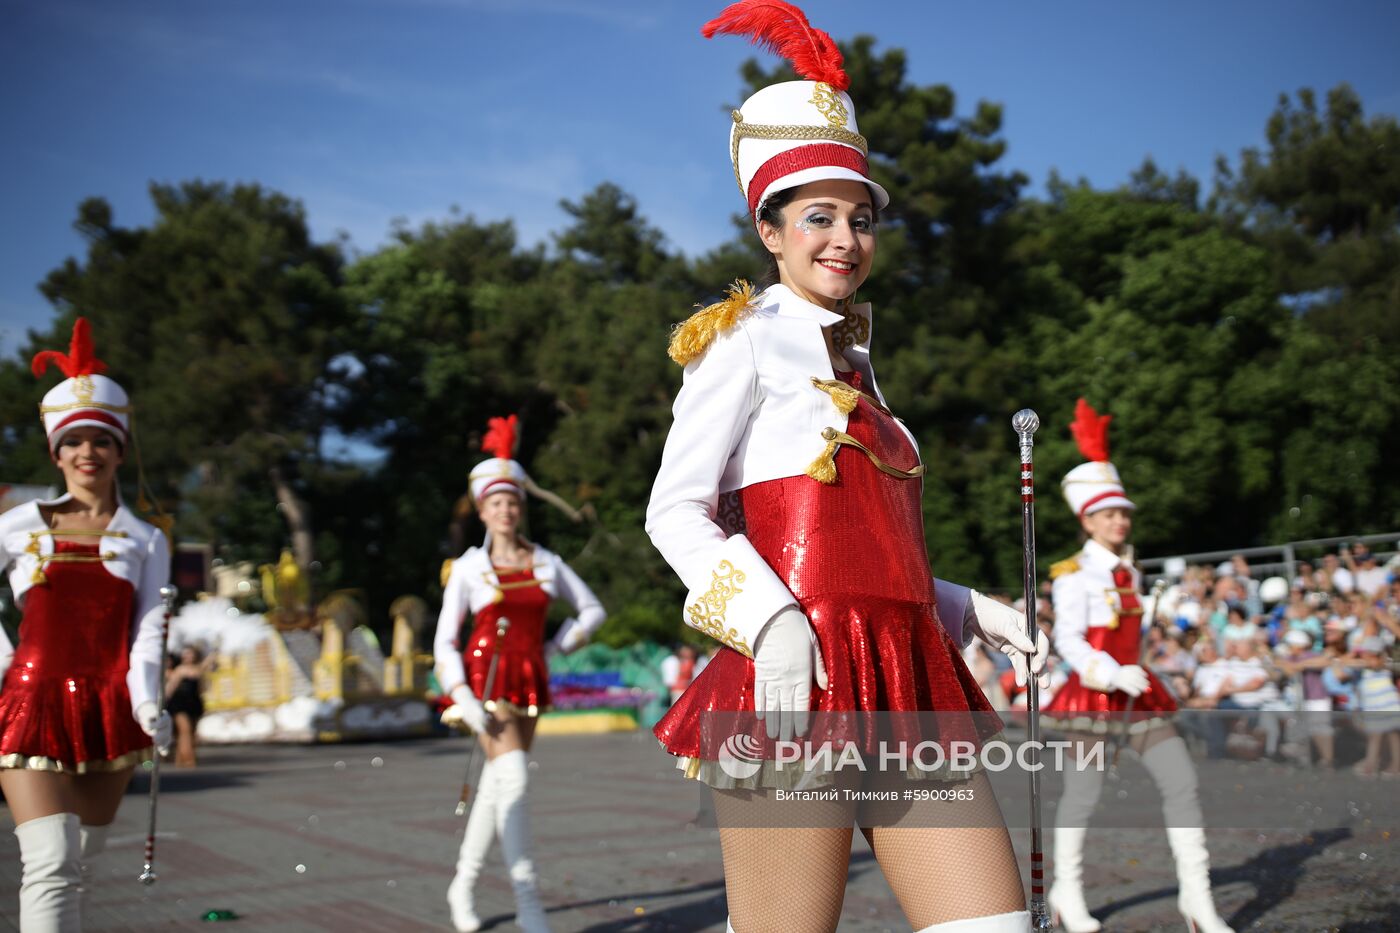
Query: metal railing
x,y
1284,558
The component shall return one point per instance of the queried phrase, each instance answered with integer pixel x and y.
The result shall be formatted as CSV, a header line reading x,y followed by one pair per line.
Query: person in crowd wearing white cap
x,y
1098,631
78,699
507,577
1306,665
788,502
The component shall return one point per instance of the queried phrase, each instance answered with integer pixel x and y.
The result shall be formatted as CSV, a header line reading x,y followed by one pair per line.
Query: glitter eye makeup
x,y
804,225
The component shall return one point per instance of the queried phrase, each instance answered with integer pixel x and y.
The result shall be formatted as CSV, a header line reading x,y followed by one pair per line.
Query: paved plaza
x,y
352,838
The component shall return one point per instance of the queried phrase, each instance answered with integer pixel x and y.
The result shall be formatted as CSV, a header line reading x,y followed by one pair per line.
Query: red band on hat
x,y
491,486
91,414
1099,498
818,155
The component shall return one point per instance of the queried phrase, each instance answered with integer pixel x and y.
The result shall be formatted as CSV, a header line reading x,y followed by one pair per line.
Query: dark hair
x,y
771,212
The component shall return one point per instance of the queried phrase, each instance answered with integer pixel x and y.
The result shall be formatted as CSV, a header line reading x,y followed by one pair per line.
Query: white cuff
x,y
1098,673
743,594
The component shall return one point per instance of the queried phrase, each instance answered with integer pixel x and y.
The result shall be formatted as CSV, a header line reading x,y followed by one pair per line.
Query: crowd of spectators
x,y
1292,659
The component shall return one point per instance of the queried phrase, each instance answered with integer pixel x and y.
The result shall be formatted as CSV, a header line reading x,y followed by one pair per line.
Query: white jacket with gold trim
x,y
752,408
132,550
1085,597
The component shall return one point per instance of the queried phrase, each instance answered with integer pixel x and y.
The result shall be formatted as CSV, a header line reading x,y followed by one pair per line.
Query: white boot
x,y
92,841
49,885
1170,765
513,826
476,842
1018,921
1193,877
1066,895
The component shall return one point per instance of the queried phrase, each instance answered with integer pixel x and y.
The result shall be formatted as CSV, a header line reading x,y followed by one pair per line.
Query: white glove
x,y
155,722
785,658
1005,630
1131,679
466,708
568,639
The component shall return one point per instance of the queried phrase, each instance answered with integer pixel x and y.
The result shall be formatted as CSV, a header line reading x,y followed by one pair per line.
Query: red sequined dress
x,y
64,704
522,674
853,555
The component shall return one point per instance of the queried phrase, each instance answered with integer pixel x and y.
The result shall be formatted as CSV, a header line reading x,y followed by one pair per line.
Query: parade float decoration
x,y
303,674
602,689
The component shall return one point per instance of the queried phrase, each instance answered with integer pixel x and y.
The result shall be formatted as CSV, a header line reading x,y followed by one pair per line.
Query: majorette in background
x,y
479,590
1098,610
79,691
1098,631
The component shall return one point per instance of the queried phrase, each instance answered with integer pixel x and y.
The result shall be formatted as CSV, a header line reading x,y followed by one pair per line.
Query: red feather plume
x,y
1090,430
80,360
500,437
782,28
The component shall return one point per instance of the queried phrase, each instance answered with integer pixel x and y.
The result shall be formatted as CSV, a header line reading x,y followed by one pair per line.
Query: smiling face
x,y
826,241
500,513
88,458
1109,527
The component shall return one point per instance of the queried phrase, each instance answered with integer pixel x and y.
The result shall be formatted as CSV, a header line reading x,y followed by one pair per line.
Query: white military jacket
x,y
751,408
473,585
132,550
1085,598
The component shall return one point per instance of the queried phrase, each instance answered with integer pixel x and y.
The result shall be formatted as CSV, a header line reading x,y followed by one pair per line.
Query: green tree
x,y
220,319
1324,200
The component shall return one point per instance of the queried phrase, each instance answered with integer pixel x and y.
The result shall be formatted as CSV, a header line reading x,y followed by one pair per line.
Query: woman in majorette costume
x,y
78,706
788,502
1098,631
507,577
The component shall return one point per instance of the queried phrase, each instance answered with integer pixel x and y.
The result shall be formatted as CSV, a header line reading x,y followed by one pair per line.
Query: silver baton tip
x,y
1025,421
168,592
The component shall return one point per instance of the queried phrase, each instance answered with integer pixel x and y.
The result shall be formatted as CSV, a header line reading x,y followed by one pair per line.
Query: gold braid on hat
x,y
833,133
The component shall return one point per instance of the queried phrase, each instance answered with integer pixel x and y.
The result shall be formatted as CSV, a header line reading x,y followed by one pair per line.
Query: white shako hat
x,y
1095,485
86,398
501,472
795,132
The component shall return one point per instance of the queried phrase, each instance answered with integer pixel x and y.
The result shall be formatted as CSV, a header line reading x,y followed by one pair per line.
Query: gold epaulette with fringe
x,y
693,337
1068,565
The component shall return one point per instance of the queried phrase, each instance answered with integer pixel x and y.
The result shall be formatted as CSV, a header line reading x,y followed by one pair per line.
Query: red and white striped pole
x,y
1025,423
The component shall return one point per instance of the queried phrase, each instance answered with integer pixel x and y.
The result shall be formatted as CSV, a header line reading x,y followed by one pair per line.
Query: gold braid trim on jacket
x,y
693,337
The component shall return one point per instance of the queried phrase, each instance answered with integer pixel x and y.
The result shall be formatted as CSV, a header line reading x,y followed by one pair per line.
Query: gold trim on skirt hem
x,y
519,712
23,762
1104,723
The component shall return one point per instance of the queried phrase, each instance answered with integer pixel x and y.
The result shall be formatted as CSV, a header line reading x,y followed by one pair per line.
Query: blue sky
x,y
370,110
